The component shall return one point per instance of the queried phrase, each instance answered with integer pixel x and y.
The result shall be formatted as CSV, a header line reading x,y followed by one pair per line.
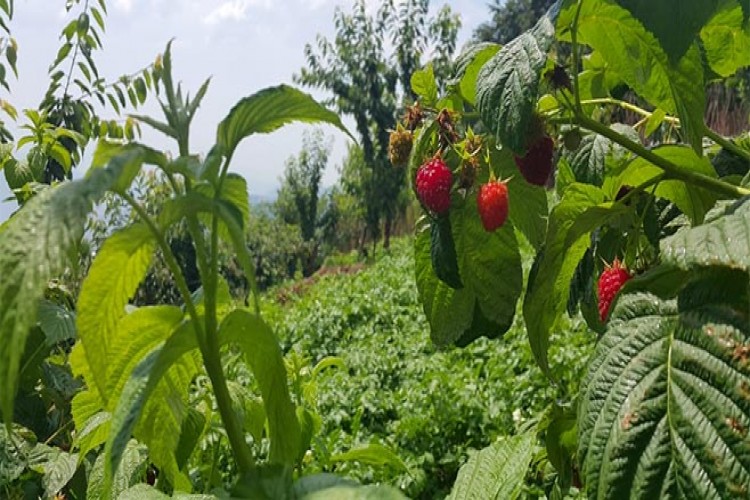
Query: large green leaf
x,y
131,472
722,242
449,312
636,56
268,110
57,323
665,406
496,472
726,39
691,200
579,212
158,383
263,354
661,18
508,84
35,247
113,279
424,85
489,264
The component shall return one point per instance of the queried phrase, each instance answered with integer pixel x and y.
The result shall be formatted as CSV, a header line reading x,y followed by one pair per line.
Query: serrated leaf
x,y
577,214
508,84
620,38
722,242
496,472
35,247
57,323
467,67
346,492
589,161
424,85
660,18
113,279
665,406
263,355
192,431
726,39
157,386
372,454
690,199
132,471
268,110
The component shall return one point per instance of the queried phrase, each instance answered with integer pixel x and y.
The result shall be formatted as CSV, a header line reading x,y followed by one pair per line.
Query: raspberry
x,y
492,202
399,146
434,180
610,282
536,166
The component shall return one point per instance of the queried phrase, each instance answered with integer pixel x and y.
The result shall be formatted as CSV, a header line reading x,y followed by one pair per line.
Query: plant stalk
x,y
672,170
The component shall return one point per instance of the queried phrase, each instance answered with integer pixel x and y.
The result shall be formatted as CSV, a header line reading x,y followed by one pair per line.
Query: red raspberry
x,y
536,166
492,202
610,282
434,180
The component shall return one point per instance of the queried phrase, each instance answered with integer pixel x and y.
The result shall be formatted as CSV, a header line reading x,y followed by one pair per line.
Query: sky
x,y
243,45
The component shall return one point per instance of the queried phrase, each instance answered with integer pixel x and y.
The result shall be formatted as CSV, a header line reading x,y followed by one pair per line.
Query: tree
x,y
510,18
299,195
370,84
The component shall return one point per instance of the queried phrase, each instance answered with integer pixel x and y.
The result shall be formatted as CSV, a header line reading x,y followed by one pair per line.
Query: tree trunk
x,y
387,231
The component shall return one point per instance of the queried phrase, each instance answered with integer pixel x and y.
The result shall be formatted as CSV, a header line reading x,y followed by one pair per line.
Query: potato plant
x,y
664,409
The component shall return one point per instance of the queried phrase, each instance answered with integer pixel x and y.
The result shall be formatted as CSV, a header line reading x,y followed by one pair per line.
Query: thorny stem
x,y
576,55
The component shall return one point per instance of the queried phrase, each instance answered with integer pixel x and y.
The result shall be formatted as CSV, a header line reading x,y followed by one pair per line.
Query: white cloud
x,y
124,5
234,10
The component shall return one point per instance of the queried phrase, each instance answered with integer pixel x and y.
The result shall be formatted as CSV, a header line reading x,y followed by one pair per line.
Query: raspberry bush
x,y
663,409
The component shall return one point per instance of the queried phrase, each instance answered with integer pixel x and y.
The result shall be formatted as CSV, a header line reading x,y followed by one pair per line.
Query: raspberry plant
x,y
664,408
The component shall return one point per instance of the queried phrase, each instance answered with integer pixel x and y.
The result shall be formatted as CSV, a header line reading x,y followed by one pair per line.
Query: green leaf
x,y
131,472
424,85
146,492
155,124
527,203
508,84
443,253
263,355
722,242
621,39
589,161
57,323
113,279
58,470
579,212
373,454
665,406
661,18
468,64
489,263
691,200
159,382
449,312
35,247
268,110
351,492
726,39
193,426
496,472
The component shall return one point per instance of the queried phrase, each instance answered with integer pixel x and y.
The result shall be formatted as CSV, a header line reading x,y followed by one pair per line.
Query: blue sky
x,y
245,45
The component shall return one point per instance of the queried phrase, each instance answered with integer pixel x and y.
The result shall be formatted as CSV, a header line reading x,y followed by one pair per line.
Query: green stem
x,y
672,170
726,144
628,106
169,259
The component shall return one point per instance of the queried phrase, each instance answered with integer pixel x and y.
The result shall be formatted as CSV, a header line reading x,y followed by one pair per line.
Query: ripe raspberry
x,y
536,166
434,180
610,282
492,202
399,146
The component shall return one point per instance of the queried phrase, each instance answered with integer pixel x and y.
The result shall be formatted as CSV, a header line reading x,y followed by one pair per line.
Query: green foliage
x,y
497,471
